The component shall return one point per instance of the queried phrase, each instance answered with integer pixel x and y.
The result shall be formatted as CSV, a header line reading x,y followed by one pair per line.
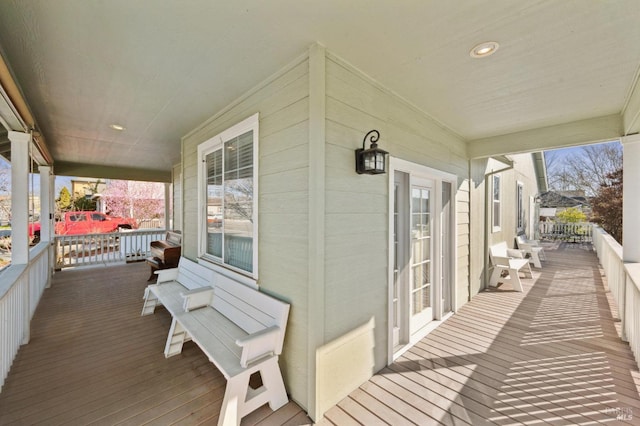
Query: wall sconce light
x,y
371,161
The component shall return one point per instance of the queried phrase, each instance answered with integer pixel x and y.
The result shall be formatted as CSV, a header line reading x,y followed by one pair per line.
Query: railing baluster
x,y
89,249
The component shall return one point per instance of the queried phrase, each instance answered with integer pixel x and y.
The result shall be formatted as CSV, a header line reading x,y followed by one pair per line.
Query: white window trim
x,y
206,147
498,227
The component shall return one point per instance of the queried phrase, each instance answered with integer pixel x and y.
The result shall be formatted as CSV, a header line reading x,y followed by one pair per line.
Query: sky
x,y
574,150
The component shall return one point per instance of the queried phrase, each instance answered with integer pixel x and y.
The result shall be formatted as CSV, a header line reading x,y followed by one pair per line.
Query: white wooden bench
x,y
532,248
510,260
188,278
242,332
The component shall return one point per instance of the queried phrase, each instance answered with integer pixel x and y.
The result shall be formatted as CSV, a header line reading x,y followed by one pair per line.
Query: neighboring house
x,y
86,187
552,202
369,263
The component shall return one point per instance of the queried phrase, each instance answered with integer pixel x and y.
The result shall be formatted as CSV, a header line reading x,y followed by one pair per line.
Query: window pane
x,y
238,252
238,202
214,203
238,223
415,194
496,201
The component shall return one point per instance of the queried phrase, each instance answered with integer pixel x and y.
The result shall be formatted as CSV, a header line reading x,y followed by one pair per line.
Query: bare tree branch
x,y
586,170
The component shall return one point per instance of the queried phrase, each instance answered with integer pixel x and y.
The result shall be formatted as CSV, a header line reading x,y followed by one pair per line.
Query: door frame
x,y
438,176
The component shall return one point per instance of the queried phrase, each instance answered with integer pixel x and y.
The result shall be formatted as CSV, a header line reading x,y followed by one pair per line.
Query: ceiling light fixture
x,y
117,127
484,49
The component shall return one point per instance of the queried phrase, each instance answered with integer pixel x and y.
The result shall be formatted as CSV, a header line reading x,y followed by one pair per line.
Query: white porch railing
x,y
100,249
624,283
151,224
20,291
572,232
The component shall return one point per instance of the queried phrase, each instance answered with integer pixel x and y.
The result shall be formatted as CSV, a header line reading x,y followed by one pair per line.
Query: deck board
x,y
548,355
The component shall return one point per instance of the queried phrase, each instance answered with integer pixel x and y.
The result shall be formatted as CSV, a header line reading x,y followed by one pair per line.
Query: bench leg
x,y
496,275
514,277
526,270
240,400
150,302
541,254
175,339
272,379
535,258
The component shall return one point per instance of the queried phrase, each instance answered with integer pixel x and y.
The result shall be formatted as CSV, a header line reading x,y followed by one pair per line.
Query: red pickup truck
x,y
77,223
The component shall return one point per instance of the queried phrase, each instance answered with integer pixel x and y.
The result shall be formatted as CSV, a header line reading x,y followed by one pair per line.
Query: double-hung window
x,y
520,206
496,203
228,197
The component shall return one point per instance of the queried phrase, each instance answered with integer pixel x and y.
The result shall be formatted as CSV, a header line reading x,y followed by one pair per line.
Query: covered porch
x,y
551,354
128,92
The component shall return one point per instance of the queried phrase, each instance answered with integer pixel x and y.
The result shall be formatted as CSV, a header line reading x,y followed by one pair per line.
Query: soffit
x,y
160,68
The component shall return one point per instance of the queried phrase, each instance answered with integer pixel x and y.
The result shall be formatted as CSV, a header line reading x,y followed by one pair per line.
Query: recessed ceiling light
x,y
116,127
484,49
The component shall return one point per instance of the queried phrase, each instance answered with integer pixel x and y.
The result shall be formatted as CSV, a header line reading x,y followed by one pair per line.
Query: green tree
x,y
571,215
84,203
607,206
64,200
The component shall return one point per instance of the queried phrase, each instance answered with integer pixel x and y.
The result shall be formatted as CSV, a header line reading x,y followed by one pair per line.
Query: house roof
x,y
552,199
160,68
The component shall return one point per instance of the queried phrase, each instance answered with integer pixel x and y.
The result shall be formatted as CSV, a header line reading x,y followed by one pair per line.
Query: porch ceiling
x,y
160,68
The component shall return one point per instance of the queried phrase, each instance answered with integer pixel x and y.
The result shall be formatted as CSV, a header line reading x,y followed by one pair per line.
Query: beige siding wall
x,y
523,171
353,322
282,103
357,234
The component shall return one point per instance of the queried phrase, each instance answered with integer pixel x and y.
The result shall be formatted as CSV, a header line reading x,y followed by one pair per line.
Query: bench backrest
x,y
498,253
498,250
521,239
250,309
174,237
193,276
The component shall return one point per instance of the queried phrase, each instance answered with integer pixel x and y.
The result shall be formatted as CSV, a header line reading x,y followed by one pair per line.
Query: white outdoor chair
x,y
508,260
532,248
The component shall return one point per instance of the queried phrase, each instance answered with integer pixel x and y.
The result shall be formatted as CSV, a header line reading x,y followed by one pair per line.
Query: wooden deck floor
x,y
549,355
93,359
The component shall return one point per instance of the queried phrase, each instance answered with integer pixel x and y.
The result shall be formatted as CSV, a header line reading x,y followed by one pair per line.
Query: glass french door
x,y
421,261
422,255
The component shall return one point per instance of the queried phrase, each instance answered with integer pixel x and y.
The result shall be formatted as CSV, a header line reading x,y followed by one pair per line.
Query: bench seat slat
x,y
170,295
216,336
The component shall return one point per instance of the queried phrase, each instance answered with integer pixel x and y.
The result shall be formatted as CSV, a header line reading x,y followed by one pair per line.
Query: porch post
x,y
631,199
46,209
19,197
20,214
167,206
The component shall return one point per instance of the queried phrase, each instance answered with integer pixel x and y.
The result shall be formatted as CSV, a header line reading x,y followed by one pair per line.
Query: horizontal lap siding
x,y
523,171
356,241
463,226
282,204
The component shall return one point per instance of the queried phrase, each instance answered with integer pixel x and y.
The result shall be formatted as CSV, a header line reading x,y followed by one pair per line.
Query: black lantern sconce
x,y
371,161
